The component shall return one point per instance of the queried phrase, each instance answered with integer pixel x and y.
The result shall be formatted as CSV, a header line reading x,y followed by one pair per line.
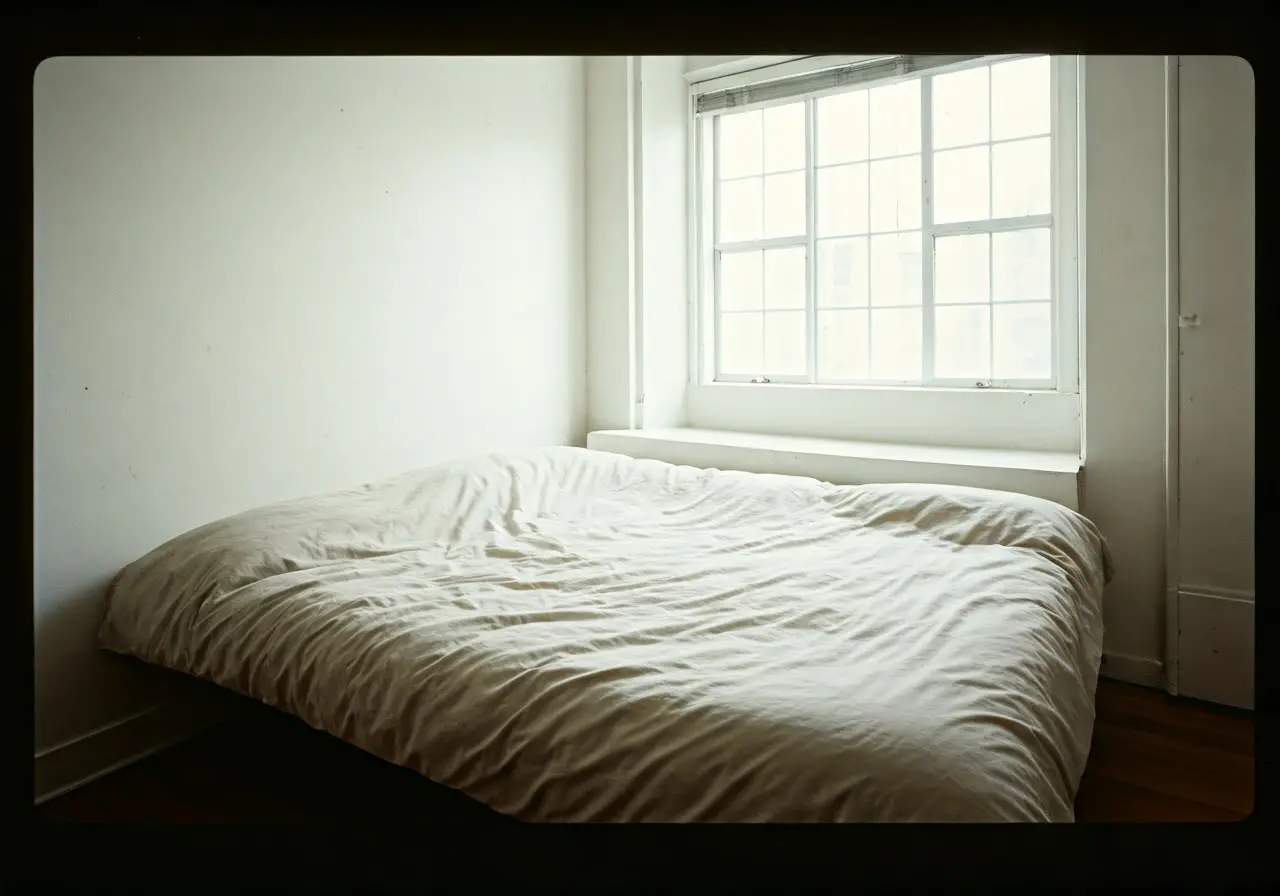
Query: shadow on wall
x,y
72,671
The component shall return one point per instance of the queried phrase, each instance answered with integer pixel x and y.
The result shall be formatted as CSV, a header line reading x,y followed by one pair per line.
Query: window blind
x,y
844,75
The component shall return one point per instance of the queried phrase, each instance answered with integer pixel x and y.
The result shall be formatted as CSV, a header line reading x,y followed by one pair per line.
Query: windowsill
x,y
1054,476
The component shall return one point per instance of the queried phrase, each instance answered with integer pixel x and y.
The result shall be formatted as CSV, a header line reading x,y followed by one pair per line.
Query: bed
x,y
572,635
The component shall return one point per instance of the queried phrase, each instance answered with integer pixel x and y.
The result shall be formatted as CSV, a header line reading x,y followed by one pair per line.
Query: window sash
x,y
1060,221
835,78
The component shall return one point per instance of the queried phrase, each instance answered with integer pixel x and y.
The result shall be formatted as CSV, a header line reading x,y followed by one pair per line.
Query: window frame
x,y
1063,221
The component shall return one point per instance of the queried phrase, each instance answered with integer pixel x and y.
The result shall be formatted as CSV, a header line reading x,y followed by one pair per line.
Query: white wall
x,y
637,110
664,116
258,278
610,248
725,64
1215,542
1124,345
697,63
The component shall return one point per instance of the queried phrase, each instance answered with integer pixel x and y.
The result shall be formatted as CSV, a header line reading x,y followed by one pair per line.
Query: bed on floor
x,y
573,635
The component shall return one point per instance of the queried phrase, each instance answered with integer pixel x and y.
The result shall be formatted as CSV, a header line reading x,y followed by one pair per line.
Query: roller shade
x,y
845,75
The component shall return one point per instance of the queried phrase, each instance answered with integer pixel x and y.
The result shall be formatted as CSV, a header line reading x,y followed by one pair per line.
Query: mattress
x,y
573,635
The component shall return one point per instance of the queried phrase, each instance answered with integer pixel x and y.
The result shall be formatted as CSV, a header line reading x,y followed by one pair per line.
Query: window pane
x,y
1023,346
962,342
895,119
842,200
842,128
961,185
962,268
1020,178
742,343
741,208
784,278
1020,98
740,144
895,269
1022,263
741,281
895,194
784,342
895,344
843,345
960,108
843,272
784,206
784,137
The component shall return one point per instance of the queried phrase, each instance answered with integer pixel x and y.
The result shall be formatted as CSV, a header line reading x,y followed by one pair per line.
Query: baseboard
x,y
1215,645
80,760
1133,669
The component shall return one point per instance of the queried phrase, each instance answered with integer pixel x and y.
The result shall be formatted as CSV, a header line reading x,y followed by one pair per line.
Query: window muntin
x,y
902,233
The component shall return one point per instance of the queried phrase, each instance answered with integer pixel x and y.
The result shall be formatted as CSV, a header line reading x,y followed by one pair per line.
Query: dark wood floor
x,y
1162,758
1154,758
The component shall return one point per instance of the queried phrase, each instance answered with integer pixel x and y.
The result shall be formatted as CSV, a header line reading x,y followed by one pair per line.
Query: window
x,y
903,221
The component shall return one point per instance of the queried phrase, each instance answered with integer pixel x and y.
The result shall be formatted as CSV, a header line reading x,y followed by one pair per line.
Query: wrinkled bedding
x,y
572,635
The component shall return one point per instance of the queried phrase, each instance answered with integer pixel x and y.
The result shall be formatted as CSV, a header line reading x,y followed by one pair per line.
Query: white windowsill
x,y
1054,476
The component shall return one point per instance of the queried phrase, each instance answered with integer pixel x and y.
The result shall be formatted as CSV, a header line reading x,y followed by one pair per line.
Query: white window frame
x,y
714,401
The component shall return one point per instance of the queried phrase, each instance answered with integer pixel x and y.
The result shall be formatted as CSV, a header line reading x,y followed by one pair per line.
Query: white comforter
x,y
569,635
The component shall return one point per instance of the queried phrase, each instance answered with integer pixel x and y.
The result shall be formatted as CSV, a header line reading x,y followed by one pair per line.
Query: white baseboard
x,y
78,761
1133,669
1215,645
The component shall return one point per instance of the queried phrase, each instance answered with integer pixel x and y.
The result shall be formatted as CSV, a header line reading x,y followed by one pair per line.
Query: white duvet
x,y
570,635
